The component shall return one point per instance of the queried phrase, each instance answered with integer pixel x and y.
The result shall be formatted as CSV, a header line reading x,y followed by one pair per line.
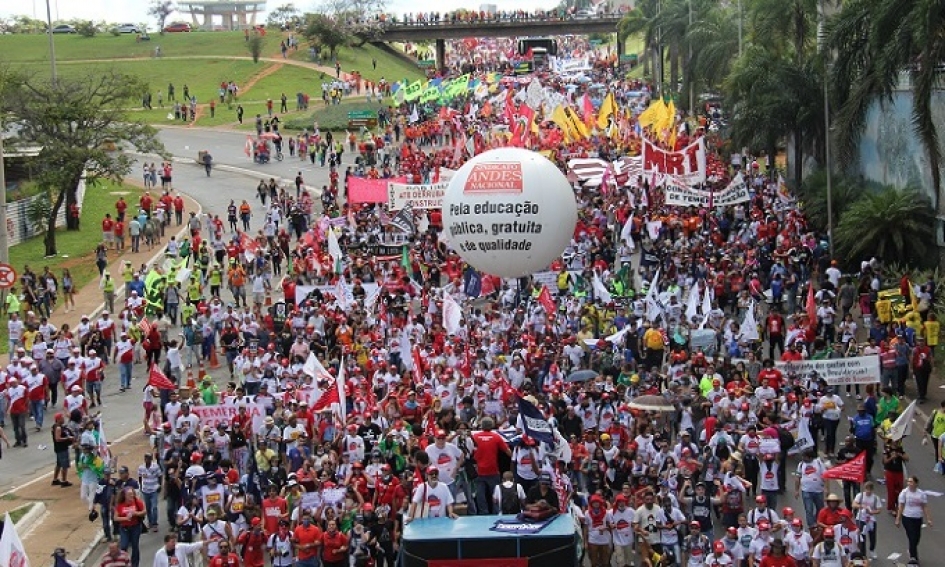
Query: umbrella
x,y
582,376
651,403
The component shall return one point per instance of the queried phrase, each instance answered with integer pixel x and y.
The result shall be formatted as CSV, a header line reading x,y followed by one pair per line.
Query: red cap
x,y
760,499
256,521
718,547
828,532
368,507
440,434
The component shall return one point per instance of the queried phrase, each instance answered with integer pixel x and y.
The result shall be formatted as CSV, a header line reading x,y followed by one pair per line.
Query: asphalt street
x,y
236,179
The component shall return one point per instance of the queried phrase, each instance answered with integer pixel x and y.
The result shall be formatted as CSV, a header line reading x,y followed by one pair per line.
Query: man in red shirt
x,y
488,444
107,226
254,544
793,354
275,508
179,209
120,207
922,362
334,546
226,557
307,539
37,384
770,376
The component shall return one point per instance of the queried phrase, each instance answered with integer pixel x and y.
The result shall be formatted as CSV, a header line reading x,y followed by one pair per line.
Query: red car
x,y
178,27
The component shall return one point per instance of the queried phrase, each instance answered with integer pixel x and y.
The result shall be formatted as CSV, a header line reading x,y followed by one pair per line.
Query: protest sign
x,y
428,196
225,412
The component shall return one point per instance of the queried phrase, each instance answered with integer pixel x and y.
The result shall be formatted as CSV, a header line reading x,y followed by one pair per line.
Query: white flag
x,y
370,302
452,314
340,292
342,400
653,307
313,367
903,424
406,356
334,250
692,303
600,290
414,115
706,306
625,233
12,552
749,329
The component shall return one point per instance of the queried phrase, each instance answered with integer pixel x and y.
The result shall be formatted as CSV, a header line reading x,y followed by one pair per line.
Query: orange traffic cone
x,y
191,383
214,361
201,372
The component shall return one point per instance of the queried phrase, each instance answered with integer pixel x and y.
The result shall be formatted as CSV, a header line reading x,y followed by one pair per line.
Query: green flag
x,y
405,258
414,90
430,94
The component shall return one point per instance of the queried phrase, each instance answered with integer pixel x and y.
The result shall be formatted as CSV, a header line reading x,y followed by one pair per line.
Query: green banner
x,y
430,94
413,91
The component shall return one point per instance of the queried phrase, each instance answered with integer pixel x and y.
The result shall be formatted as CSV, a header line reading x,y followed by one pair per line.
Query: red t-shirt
x,y
488,445
311,534
273,509
331,545
126,508
771,561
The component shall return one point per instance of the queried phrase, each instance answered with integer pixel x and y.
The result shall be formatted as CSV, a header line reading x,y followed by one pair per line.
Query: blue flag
x,y
472,283
534,423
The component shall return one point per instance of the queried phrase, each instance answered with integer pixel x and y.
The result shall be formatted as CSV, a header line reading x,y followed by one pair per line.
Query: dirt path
x,y
269,70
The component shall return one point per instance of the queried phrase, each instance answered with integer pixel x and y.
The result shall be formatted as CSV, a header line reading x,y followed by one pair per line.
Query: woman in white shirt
x,y
913,506
866,506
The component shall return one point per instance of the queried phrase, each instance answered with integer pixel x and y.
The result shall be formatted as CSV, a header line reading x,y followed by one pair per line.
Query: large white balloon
x,y
509,212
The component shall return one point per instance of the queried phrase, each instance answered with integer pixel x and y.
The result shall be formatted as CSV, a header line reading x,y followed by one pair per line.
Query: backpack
x,y
786,439
510,501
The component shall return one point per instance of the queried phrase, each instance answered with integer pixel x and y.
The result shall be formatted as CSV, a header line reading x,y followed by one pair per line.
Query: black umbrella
x,y
582,376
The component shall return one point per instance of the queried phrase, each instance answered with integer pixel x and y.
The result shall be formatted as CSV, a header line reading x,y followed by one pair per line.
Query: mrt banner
x,y
497,562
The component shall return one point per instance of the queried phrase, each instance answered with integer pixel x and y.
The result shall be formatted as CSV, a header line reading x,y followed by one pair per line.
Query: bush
x,y
86,29
255,45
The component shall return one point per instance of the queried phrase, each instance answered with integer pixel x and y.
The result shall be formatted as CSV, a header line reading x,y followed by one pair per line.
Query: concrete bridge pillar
x,y
441,54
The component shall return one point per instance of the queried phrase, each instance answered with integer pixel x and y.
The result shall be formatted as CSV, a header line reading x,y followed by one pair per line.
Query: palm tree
x,y
845,191
640,21
893,225
715,46
876,41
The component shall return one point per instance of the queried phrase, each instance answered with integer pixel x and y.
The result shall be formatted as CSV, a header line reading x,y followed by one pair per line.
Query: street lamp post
x,y
52,44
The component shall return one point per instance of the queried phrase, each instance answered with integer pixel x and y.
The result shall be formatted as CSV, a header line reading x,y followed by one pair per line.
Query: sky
x,y
135,11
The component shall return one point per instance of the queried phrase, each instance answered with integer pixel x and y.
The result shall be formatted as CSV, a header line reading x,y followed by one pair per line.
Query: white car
x,y
585,14
128,28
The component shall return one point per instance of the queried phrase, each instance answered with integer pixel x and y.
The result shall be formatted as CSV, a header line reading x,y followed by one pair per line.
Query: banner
x,y
224,413
364,190
420,196
688,162
853,470
13,554
687,196
836,371
302,292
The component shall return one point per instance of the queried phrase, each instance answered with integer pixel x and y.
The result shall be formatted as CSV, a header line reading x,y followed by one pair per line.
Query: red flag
x,y
328,397
588,110
544,298
145,326
811,307
853,470
157,379
509,111
417,366
466,367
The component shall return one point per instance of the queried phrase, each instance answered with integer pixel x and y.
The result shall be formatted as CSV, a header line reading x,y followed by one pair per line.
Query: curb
x,y
90,548
32,518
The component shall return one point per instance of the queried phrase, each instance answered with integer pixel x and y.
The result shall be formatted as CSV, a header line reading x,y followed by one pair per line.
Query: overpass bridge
x,y
533,26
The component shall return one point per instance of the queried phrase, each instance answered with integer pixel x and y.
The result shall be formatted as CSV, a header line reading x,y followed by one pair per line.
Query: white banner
x,y
836,371
302,291
689,162
686,196
225,412
420,196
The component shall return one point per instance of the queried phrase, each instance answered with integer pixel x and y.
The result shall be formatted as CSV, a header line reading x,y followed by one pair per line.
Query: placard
x,y
687,196
836,371
425,197
225,412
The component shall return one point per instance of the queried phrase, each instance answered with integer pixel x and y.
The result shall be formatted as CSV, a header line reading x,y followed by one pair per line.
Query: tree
x,y
876,41
283,16
325,31
844,192
86,28
77,123
256,44
160,10
895,226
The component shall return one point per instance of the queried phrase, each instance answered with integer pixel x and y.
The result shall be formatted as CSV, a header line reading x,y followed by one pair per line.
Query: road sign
x,y
359,118
7,276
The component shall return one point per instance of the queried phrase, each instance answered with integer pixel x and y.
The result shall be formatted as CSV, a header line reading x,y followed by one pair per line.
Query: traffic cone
x,y
214,361
201,372
191,383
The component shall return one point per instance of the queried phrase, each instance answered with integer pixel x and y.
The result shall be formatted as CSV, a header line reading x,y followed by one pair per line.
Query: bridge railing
x,y
494,19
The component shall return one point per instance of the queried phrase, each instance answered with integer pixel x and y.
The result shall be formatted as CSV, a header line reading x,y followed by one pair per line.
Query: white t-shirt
x,y
432,501
598,532
798,544
832,558
622,525
445,460
913,502
524,458
811,476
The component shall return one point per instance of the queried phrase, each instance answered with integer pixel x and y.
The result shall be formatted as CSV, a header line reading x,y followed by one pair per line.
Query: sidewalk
x,y
90,300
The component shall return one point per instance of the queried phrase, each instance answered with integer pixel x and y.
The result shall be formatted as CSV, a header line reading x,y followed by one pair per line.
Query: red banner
x,y
853,470
689,162
496,562
364,190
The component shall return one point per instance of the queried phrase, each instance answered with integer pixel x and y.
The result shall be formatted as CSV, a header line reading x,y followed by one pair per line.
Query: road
x,y
122,412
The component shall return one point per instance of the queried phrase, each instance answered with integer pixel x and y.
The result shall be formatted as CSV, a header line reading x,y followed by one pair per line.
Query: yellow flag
x,y
664,128
578,128
912,297
654,115
607,110
561,119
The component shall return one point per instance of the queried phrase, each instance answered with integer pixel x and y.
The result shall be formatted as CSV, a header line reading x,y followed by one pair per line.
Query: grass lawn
x,y
353,59
334,117
17,513
203,76
35,47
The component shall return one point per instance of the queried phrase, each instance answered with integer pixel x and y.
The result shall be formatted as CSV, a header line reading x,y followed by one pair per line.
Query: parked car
x,y
64,28
585,14
128,28
177,27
